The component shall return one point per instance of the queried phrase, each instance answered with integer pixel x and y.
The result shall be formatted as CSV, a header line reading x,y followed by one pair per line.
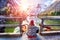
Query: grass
x,y
53,22
10,29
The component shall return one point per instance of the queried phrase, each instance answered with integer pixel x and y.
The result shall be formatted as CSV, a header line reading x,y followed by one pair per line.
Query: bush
x,y
55,13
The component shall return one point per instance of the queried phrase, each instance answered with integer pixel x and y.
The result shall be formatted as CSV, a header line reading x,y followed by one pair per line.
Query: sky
x,y
47,3
33,6
43,5
31,3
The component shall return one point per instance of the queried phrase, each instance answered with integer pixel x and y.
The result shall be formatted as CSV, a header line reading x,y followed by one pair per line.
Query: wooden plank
x,y
9,25
10,17
10,34
50,17
52,25
50,33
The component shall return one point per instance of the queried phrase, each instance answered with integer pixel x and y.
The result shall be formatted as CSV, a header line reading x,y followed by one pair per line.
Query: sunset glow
x,y
28,6
24,5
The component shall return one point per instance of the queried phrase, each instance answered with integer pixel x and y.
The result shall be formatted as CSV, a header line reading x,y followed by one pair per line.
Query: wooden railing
x,y
11,25
49,18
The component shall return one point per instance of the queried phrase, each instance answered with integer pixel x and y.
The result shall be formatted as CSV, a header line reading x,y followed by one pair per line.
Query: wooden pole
x,y
41,26
20,24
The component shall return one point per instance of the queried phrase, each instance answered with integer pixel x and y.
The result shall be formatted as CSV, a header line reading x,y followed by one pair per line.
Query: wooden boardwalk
x,y
56,37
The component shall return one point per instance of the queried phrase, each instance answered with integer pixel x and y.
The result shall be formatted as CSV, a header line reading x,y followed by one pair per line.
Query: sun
x,y
24,5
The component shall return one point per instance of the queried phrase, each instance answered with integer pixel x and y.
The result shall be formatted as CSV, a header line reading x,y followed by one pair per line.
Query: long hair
x,y
23,28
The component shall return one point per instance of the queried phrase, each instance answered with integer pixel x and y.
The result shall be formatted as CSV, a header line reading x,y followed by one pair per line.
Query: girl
x,y
32,31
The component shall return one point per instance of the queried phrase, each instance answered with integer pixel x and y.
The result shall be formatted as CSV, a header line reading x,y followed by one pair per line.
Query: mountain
x,y
52,8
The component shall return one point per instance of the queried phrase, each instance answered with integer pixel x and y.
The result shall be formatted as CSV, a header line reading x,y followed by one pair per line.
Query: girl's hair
x,y
24,26
40,24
